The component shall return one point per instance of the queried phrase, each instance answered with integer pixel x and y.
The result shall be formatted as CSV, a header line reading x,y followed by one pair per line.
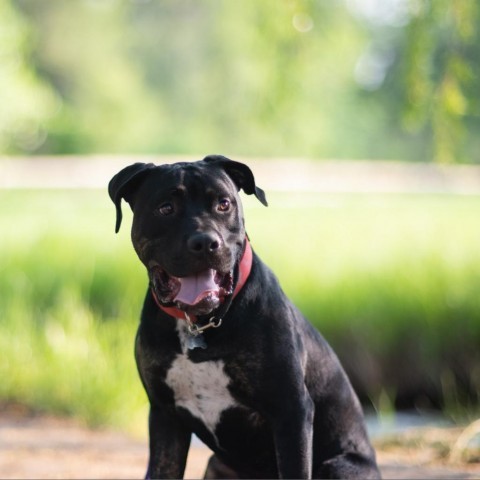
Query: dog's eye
x,y
223,205
165,209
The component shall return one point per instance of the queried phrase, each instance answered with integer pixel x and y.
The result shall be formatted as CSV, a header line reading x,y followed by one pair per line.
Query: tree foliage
x,y
440,75
292,77
25,100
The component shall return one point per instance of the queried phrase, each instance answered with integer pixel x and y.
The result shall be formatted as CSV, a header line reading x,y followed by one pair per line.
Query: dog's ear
x,y
124,184
241,175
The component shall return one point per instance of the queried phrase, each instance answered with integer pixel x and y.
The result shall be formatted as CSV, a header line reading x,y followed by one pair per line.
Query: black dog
x,y
220,349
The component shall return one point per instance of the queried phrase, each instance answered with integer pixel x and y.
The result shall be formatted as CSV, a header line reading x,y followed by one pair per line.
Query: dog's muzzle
x,y
197,294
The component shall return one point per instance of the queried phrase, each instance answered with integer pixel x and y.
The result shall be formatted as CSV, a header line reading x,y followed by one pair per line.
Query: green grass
x,y
392,281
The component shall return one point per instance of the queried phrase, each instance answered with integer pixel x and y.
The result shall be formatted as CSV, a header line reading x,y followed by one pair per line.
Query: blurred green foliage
x,y
341,78
26,101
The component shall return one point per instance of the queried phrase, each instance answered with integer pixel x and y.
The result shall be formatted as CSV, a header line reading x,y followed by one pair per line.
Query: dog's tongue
x,y
196,287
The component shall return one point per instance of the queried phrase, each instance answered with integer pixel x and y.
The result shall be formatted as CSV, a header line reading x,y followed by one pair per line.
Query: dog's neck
x,y
244,269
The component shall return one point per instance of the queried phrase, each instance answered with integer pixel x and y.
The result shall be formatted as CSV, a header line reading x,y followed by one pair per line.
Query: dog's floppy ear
x,y
240,174
124,183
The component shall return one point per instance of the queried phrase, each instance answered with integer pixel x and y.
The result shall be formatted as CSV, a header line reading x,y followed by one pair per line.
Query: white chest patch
x,y
201,388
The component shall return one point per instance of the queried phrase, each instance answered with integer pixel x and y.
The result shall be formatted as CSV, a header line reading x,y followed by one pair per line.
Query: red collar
x,y
245,267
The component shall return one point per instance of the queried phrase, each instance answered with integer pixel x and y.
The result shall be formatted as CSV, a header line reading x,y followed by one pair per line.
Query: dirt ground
x,y
42,446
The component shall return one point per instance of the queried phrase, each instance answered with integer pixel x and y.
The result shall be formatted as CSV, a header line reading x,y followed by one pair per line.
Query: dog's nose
x,y
204,243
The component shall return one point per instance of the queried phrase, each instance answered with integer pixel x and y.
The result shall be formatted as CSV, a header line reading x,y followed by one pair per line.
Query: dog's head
x,y
188,228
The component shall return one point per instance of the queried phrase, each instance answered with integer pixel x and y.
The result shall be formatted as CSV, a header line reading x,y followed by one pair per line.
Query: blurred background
x,y
360,118
393,79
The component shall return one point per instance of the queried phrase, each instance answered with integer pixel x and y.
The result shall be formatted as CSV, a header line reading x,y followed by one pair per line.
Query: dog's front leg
x,y
169,444
293,435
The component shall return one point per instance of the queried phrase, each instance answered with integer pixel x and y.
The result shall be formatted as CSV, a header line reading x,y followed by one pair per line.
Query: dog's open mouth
x,y
197,294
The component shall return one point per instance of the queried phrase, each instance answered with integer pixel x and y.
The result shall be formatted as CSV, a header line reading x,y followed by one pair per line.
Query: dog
x,y
220,349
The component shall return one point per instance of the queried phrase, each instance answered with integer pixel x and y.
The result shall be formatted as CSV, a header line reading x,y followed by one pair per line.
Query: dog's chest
x,y
201,388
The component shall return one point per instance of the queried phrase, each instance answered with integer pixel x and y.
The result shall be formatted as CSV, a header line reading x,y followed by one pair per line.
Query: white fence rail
x,y
271,174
